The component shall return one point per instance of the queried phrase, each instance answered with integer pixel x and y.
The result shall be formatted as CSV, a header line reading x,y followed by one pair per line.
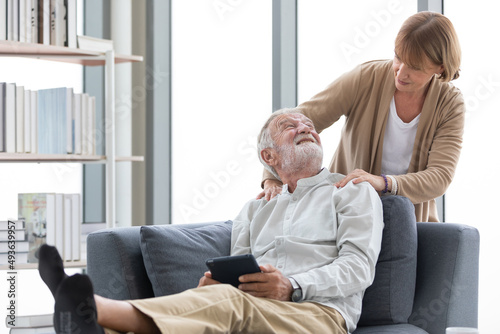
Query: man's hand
x,y
207,280
270,283
271,189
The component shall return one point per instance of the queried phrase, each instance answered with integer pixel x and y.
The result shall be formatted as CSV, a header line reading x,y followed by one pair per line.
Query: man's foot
x,y
75,310
50,267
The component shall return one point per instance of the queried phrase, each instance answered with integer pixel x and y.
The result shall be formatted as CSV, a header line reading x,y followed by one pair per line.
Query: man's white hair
x,y
264,140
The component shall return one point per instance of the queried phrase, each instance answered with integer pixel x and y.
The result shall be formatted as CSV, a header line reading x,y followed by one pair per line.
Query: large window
x,y
335,36
473,195
221,94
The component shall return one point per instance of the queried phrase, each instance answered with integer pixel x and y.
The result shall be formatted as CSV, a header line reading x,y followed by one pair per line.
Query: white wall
x,y
473,196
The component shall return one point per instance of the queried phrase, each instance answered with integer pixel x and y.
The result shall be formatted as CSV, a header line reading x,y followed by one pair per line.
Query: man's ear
x,y
268,156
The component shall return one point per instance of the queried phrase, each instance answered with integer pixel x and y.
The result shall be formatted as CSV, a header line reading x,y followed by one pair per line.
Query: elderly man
x,y
317,246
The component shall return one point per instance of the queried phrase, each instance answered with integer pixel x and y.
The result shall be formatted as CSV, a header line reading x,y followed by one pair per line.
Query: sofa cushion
x,y
389,300
174,256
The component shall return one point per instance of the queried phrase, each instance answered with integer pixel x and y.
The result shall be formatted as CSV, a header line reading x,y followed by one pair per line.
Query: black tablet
x,y
227,269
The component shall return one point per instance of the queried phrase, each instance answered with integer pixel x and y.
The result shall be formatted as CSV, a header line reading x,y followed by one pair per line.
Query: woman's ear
x,y
441,70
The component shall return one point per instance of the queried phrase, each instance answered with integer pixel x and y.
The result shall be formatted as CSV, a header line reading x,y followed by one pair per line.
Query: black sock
x,y
50,267
75,311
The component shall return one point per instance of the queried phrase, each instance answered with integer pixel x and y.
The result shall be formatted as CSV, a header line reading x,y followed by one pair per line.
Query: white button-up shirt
x,y
327,239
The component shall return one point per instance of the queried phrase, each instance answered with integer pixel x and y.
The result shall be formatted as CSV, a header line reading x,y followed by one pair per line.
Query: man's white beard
x,y
306,156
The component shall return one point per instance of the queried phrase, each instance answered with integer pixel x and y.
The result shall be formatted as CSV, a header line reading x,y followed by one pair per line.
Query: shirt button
x,y
280,267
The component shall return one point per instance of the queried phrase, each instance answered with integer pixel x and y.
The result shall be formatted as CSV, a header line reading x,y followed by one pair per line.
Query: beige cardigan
x,y
363,95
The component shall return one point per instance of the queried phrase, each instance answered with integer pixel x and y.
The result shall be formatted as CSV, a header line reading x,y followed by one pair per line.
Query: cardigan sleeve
x,y
326,107
440,151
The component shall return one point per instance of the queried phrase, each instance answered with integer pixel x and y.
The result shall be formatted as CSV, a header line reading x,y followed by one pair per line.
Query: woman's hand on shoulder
x,y
359,175
271,189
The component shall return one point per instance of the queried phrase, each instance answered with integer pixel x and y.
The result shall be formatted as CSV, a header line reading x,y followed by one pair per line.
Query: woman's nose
x,y
402,70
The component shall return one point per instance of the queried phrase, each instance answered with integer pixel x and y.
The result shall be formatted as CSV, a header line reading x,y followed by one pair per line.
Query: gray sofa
x,y
426,276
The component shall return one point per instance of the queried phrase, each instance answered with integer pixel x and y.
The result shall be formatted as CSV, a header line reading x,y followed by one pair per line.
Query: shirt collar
x,y
310,181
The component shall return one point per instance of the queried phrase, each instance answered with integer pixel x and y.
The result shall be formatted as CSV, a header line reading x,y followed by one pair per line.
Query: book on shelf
x,y
10,117
20,119
69,120
16,257
59,225
44,22
3,25
52,126
89,43
15,19
72,227
76,223
33,330
19,234
18,246
58,23
2,114
71,23
27,121
90,133
30,321
18,224
85,106
22,21
34,121
77,124
37,211
10,20
33,24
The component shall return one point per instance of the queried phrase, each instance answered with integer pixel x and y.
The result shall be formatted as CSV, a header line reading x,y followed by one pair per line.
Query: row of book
x,y
47,121
50,218
50,22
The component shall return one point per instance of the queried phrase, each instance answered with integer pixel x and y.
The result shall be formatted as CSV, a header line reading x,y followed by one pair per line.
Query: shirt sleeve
x,y
359,237
240,233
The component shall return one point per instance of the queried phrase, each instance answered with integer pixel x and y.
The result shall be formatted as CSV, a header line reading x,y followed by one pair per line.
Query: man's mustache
x,y
304,137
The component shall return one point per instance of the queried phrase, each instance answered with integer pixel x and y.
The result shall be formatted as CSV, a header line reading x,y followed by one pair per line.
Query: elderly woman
x,y
404,119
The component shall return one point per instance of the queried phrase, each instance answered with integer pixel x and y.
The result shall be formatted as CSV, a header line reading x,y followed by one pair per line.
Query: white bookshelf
x,y
86,58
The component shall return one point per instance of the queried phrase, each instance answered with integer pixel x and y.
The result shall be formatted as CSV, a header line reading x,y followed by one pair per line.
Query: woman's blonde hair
x,y
431,35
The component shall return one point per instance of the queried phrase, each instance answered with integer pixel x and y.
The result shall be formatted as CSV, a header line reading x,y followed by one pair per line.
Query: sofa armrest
x,y
447,277
115,264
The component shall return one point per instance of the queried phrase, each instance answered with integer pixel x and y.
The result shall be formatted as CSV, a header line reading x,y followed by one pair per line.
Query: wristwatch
x,y
297,291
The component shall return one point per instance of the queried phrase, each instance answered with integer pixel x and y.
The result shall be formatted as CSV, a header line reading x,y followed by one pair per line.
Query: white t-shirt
x,y
398,143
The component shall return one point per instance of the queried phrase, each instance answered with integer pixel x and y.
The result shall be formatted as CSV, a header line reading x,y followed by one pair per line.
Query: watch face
x,y
297,295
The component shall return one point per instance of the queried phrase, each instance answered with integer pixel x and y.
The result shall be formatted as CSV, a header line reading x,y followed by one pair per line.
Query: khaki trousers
x,y
224,309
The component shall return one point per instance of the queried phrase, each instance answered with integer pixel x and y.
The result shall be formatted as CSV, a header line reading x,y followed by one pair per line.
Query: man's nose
x,y
303,128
